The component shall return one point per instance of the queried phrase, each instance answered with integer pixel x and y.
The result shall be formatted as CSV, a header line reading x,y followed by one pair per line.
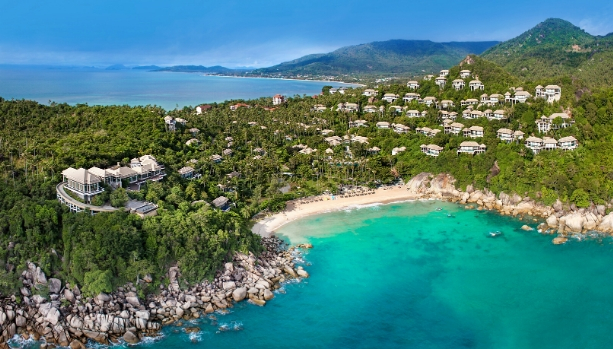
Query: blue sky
x,y
258,33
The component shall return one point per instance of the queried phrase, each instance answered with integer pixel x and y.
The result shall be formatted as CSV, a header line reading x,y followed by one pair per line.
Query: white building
x,y
551,93
400,128
553,122
470,147
454,128
431,149
568,143
408,97
278,99
535,144
476,85
369,92
383,125
390,97
413,84
429,101
413,113
458,84
473,132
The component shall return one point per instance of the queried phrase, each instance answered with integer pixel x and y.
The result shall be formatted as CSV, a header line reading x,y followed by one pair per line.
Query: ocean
x,y
169,90
407,275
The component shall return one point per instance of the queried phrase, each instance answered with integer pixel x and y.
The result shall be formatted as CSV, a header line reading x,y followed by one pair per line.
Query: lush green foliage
x,y
556,48
37,142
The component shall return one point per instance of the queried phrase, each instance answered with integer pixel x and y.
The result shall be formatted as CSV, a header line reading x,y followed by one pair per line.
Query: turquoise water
x,y
137,87
408,276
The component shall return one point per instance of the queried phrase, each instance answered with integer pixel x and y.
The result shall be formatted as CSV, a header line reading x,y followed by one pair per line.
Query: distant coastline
x,y
285,79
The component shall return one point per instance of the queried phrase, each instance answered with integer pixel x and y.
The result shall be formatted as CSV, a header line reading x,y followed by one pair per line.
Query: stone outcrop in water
x,y
558,219
69,319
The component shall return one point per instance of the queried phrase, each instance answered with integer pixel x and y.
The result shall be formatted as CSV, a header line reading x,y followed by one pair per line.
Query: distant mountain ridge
x,y
555,48
201,69
409,57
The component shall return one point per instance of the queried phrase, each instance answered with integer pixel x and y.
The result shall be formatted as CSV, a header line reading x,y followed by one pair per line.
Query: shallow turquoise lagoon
x,y
408,276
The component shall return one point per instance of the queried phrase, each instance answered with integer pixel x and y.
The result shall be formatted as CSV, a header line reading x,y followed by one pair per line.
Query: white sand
x,y
294,211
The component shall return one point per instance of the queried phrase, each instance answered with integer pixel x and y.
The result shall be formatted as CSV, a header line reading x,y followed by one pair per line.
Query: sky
x,y
258,33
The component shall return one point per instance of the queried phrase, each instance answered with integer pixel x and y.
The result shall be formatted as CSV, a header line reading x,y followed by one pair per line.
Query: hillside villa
x,y
506,135
411,97
369,92
551,93
278,99
413,84
390,97
471,147
464,74
431,149
553,122
86,183
458,84
473,132
476,85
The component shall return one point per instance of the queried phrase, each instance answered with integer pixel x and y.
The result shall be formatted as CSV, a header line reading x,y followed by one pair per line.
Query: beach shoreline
x,y
286,79
297,209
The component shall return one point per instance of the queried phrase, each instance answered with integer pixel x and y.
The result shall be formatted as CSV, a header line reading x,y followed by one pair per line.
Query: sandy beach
x,y
296,210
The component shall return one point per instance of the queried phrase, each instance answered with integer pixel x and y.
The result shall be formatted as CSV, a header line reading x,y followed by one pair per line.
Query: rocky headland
x,y
559,218
67,318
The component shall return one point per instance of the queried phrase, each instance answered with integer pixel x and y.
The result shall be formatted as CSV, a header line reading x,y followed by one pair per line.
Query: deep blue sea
x,y
136,87
408,276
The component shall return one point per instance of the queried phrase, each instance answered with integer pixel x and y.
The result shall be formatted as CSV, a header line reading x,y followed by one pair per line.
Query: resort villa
x,y
390,97
369,92
431,149
471,147
476,85
506,135
464,74
411,97
278,99
86,183
458,84
454,128
553,122
473,132
413,84
551,93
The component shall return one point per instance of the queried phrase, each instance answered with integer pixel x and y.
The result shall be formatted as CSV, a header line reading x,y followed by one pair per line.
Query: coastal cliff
x,y
558,218
68,318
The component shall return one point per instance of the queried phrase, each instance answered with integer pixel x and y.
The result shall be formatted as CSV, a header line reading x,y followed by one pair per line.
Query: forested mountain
x,y
555,48
406,57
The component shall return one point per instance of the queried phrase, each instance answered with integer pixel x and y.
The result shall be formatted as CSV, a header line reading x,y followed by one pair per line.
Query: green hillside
x,y
556,48
406,57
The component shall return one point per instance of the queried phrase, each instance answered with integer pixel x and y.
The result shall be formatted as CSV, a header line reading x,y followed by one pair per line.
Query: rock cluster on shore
x,y
560,219
67,318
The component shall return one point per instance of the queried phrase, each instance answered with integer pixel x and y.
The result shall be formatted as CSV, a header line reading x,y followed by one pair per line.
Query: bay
x,y
423,275
169,90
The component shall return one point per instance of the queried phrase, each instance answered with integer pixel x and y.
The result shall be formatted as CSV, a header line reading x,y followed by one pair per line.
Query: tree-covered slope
x,y
556,48
410,57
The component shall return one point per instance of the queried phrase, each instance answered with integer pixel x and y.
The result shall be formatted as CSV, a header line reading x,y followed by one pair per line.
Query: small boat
x,y
450,215
494,234
439,209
